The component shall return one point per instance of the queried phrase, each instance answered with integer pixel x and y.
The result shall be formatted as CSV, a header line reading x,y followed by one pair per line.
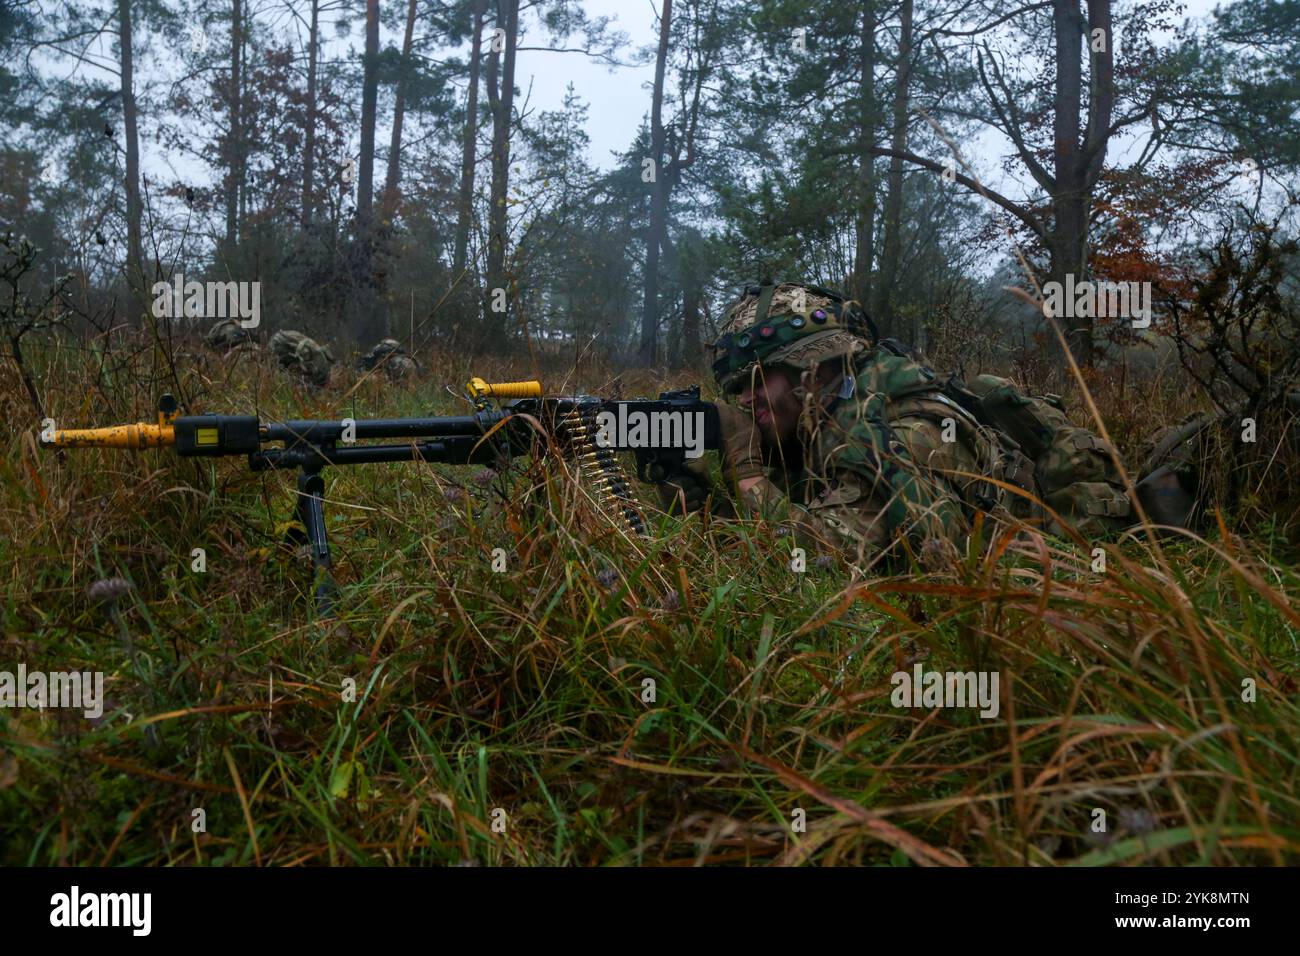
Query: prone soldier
x,y
229,334
298,353
862,448
390,355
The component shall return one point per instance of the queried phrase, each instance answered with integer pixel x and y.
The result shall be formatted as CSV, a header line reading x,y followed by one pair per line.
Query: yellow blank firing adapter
x,y
139,435
481,389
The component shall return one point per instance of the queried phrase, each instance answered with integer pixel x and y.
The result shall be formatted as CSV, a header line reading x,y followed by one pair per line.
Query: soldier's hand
x,y
682,491
742,444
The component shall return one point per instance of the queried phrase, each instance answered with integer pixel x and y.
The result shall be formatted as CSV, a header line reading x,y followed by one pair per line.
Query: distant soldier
x,y
390,355
229,334
296,352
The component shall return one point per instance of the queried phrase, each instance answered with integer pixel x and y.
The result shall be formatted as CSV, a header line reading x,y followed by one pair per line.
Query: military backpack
x,y
1033,447
1073,471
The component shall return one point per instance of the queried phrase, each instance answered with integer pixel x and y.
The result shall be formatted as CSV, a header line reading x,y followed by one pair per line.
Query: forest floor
x,y
679,698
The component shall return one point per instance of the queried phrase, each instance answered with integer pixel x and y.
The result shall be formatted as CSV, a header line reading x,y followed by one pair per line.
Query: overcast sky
x,y
620,99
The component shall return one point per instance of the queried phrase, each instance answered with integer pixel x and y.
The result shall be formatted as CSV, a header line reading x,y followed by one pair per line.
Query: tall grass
x,y
506,718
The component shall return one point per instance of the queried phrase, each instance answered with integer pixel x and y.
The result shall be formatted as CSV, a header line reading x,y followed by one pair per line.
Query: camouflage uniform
x,y
876,467
229,334
298,353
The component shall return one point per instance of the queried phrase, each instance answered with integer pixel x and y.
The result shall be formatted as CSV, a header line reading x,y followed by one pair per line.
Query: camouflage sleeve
x,y
842,519
883,482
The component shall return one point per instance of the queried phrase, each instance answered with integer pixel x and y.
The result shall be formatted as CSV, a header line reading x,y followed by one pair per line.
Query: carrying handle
x,y
480,389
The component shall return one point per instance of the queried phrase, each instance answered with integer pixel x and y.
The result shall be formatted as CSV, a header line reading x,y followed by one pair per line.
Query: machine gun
x,y
585,429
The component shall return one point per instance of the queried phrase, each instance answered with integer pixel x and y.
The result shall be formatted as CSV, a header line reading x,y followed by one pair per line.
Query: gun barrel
x,y
139,435
299,432
453,450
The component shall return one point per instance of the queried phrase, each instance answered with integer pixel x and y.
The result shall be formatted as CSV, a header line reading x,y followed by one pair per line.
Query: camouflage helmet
x,y
790,324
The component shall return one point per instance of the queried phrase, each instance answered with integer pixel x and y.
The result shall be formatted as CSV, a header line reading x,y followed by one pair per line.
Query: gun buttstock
x,y
139,435
477,387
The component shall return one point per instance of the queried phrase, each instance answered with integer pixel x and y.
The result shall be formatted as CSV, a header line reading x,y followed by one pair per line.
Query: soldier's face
x,y
769,396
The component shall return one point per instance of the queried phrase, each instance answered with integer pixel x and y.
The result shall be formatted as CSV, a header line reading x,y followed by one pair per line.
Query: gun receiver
x,y
671,458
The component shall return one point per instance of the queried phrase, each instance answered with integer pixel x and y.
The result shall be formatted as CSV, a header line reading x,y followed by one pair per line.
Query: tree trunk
x,y
658,199
134,207
502,114
679,259
865,249
691,322
241,155
369,109
399,108
368,321
234,167
1079,164
1068,249
1069,206
471,139
893,240
309,122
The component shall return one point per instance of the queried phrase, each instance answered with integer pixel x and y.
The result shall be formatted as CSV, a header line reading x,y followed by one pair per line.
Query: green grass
x,y
522,691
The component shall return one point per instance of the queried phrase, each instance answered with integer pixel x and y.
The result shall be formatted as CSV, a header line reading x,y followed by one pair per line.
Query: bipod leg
x,y
311,512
